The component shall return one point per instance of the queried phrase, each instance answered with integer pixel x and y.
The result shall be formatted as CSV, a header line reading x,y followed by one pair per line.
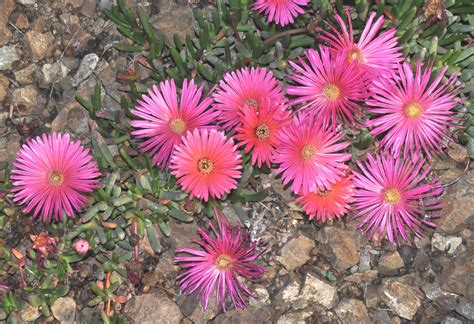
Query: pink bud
x,y
81,246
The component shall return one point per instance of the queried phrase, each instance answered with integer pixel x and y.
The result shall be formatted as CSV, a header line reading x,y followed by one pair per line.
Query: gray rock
x,y
152,308
434,291
27,2
8,56
341,246
29,313
389,264
52,72
450,320
64,310
88,64
319,292
458,208
401,298
73,118
466,309
39,45
296,252
299,317
458,277
245,316
352,311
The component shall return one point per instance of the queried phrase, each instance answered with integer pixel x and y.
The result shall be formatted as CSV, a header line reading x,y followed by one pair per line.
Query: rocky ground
x,y
49,50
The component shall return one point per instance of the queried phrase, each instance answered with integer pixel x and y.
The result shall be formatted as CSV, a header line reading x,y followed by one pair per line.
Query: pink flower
x,y
259,130
329,86
81,246
245,87
374,54
282,12
206,164
310,155
413,113
163,121
394,194
331,203
51,176
218,265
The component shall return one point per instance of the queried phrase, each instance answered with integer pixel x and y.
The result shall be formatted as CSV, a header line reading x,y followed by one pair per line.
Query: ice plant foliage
x,y
163,120
207,164
373,54
329,86
282,12
331,203
310,154
219,263
51,176
393,195
245,87
258,132
413,113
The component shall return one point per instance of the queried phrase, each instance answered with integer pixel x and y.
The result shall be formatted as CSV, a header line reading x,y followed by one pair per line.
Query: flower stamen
x,y
56,178
205,166
392,196
177,126
308,151
223,262
262,131
251,103
331,92
355,54
413,110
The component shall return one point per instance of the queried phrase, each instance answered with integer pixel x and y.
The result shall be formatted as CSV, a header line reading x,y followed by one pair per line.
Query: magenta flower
x,y
245,87
310,155
259,131
394,195
374,54
282,12
163,121
218,265
329,86
413,113
51,176
207,164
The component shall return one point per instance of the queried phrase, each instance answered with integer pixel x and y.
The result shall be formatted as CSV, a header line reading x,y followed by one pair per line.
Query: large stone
x,y
167,24
352,311
341,246
458,208
458,277
29,313
4,83
8,56
299,317
5,34
28,97
64,310
152,308
39,45
296,252
401,298
390,263
87,67
52,72
72,118
319,292
466,309
248,315
26,75
291,291
7,7
458,152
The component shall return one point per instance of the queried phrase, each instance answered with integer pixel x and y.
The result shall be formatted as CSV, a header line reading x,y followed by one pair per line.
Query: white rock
x,y
319,292
8,55
87,67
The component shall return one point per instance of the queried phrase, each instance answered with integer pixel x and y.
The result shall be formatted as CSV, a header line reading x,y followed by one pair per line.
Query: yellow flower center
x,y
355,54
56,178
324,193
392,196
413,110
308,151
223,262
262,131
177,125
251,103
331,92
205,166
